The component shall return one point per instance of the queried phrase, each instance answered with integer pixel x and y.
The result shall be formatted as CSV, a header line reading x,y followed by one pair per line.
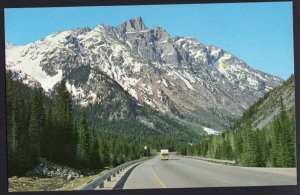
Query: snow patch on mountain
x,y
77,93
165,83
210,131
144,121
133,93
252,82
187,83
29,65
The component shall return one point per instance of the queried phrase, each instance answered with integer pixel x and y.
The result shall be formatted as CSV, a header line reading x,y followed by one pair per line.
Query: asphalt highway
x,y
182,172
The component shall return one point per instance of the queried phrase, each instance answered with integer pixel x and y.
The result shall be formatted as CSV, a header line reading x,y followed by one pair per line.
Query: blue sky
x,y
258,33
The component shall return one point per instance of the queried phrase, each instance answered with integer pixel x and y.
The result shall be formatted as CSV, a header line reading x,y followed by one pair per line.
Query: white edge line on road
x,y
222,180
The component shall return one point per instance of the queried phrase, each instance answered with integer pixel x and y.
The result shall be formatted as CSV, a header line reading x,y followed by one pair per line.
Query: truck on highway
x,y
164,154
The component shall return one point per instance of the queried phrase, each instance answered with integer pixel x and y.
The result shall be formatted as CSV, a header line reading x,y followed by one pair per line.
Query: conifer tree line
x,y
55,129
272,146
52,127
38,126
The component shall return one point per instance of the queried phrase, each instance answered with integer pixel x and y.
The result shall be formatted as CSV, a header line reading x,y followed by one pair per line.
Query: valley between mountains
x,y
93,99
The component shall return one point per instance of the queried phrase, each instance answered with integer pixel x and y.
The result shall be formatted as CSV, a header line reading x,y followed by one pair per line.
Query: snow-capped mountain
x,y
178,76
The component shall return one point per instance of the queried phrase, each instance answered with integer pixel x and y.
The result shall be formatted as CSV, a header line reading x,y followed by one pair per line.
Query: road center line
x,y
222,180
158,179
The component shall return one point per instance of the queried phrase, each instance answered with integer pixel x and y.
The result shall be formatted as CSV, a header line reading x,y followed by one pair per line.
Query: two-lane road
x,y
181,172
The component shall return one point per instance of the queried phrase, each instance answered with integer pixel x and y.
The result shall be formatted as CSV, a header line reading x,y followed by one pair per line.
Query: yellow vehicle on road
x,y
164,154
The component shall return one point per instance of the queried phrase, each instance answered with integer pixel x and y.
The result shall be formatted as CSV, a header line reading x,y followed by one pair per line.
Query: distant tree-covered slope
x,y
87,137
264,136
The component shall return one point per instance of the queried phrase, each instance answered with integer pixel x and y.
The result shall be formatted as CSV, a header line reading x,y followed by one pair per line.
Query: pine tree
x,y
264,146
95,161
12,146
65,132
48,138
238,146
292,134
106,156
251,150
227,150
276,152
36,125
11,124
83,146
286,139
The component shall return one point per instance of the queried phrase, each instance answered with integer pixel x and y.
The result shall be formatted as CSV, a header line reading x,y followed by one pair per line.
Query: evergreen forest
x,y
53,127
271,146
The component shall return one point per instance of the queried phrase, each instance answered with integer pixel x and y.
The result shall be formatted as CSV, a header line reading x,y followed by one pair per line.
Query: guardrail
x,y
227,162
92,185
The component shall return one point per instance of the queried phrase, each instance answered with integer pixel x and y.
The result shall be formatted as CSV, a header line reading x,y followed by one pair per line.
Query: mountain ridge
x,y
177,76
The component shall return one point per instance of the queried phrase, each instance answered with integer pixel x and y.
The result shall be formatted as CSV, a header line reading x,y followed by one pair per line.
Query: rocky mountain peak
x,y
179,76
160,33
134,24
83,30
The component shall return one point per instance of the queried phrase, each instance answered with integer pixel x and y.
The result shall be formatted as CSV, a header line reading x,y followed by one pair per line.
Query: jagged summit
x,y
160,33
134,24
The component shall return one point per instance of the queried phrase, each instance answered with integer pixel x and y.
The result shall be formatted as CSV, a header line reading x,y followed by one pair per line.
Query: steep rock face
x,y
176,75
268,106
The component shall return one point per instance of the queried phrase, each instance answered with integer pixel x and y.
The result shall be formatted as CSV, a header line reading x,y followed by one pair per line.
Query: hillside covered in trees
x,y
264,136
55,128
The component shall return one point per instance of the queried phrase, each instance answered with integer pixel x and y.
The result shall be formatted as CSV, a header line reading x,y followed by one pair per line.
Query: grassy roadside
x,y
25,184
